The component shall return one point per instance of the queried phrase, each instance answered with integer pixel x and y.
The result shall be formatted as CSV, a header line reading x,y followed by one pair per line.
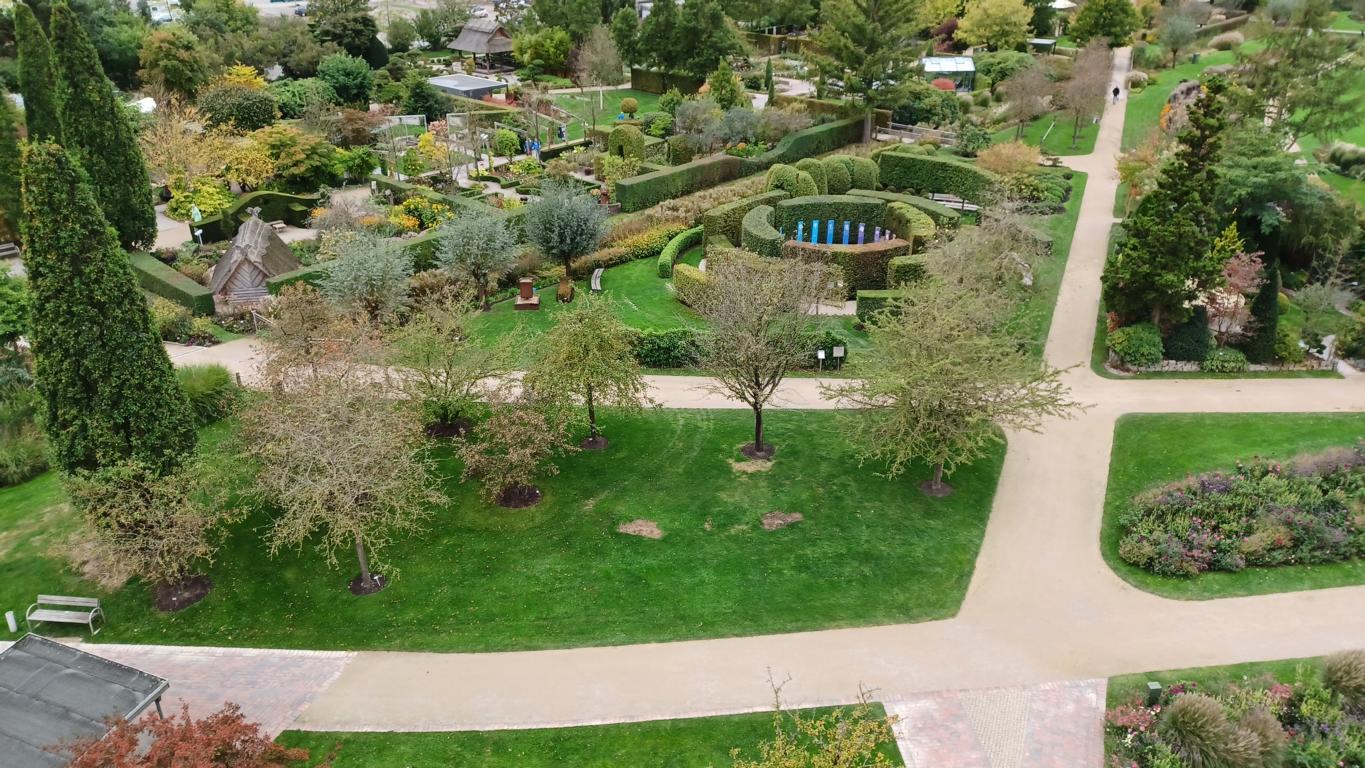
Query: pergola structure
x,y
52,694
483,36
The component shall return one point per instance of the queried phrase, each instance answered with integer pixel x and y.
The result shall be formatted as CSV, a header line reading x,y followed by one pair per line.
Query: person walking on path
x,y
1116,94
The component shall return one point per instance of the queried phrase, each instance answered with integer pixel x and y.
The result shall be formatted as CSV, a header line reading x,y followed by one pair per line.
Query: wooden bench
x,y
597,280
87,608
9,251
953,201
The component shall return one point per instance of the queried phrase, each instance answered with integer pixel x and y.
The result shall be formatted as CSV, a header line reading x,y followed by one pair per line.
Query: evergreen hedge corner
x,y
865,267
868,303
108,390
1265,318
688,284
938,175
626,141
676,247
724,220
156,277
941,214
910,224
902,270
816,169
838,177
758,234
840,208
97,131
640,192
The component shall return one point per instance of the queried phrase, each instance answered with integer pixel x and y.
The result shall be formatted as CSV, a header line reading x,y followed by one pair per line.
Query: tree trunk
x,y
867,125
938,475
758,429
592,417
365,577
1156,317
1076,131
1019,131
484,303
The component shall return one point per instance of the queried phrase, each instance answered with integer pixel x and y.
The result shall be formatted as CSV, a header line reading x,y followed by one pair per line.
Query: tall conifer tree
x,y
109,394
37,81
98,133
9,170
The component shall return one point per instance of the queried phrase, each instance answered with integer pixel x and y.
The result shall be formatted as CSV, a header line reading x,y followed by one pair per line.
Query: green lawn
x,y
581,104
692,743
642,300
1123,688
1153,449
482,578
1343,20
1143,112
1052,134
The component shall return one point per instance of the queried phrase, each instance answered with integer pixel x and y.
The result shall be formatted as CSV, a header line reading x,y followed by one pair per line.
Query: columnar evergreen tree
x,y
99,135
9,170
109,394
36,79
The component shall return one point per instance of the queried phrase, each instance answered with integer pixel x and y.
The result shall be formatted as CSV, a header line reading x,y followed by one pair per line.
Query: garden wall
x,y
724,220
157,277
930,174
941,214
865,267
293,210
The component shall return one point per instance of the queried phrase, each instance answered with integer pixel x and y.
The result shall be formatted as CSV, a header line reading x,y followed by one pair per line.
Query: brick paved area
x,y
1053,725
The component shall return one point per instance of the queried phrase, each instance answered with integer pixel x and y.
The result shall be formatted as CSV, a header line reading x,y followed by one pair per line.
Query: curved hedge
x,y
840,208
758,234
724,220
156,277
790,179
910,223
675,248
865,267
640,192
816,168
866,174
904,269
294,210
809,142
922,173
940,213
626,141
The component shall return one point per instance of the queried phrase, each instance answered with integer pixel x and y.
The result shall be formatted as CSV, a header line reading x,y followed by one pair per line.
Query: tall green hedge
x,y
904,269
37,77
866,174
910,224
676,247
758,234
808,142
870,302
688,283
1265,316
937,175
865,267
640,192
724,220
940,213
838,174
840,208
156,277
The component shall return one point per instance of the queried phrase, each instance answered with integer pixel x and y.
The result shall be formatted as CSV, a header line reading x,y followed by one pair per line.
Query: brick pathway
x,y
1053,725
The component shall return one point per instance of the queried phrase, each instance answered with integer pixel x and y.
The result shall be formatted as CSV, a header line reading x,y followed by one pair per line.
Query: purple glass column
x,y
860,234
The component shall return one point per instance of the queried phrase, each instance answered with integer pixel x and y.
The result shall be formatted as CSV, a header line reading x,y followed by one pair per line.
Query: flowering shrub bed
x,y
1317,720
1261,514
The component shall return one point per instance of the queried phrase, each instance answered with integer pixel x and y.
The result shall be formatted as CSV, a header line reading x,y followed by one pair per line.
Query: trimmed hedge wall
x,y
904,269
688,283
910,224
792,180
869,302
640,192
865,267
809,142
922,173
156,277
675,248
841,208
758,234
940,213
724,220
312,275
816,169
293,210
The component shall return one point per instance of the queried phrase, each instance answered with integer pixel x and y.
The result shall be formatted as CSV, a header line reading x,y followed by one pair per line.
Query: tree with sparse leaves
x,y
1084,94
510,449
942,380
1027,95
757,315
847,737
588,357
37,77
598,63
109,394
334,453
97,132
223,739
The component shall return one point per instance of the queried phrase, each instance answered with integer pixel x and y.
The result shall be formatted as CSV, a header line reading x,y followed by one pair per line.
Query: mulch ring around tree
x,y
456,428
593,443
519,497
762,454
641,527
359,587
170,598
778,519
937,490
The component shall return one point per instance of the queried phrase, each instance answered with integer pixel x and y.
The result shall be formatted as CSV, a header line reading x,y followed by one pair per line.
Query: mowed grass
x,y
691,743
582,105
1143,112
482,578
1154,449
1124,688
1052,134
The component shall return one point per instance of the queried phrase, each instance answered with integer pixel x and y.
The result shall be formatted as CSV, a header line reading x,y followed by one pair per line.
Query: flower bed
x,y
1261,514
1318,719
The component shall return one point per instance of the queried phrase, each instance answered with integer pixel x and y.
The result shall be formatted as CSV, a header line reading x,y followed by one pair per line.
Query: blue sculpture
x,y
846,226
800,231
815,231
829,232
860,233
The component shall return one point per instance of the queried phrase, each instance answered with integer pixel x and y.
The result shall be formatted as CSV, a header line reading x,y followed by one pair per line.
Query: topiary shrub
x,y
936,174
1287,349
626,141
838,178
758,234
211,390
680,150
1137,346
630,105
794,182
242,108
1344,673
673,348
816,169
689,284
506,143
1224,360
1191,340
1265,315
866,175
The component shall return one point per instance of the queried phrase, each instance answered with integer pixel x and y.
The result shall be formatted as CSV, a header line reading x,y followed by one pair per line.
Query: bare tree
x,y
598,63
942,379
1027,94
757,311
1084,94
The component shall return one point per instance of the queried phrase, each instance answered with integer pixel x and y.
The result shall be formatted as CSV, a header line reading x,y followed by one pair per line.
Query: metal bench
x,y
88,609
597,280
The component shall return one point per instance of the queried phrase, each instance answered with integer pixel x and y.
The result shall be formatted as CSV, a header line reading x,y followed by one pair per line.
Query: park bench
x,y
597,280
9,251
65,610
953,201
